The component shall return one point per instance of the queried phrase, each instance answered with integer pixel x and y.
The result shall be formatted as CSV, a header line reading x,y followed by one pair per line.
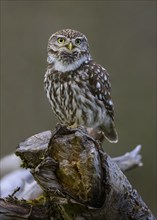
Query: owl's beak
x,y
70,46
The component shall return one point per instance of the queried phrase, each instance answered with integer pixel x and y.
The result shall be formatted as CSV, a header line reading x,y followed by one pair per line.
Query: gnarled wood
x,y
79,180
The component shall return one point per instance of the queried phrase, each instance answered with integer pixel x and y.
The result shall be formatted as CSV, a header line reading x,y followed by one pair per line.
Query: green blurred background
x,y
122,38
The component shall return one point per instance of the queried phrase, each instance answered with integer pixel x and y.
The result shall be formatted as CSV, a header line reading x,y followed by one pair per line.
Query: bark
x,y
79,180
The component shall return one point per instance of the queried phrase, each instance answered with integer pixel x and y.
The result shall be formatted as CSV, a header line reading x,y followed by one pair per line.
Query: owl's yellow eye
x,y
78,41
60,40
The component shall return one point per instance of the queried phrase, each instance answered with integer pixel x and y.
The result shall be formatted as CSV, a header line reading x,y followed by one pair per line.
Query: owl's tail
x,y
110,132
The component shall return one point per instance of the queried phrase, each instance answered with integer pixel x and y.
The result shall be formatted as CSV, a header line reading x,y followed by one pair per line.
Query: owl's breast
x,y
61,92
71,99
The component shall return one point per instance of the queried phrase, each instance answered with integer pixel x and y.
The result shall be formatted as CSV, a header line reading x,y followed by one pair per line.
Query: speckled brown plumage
x,y
78,89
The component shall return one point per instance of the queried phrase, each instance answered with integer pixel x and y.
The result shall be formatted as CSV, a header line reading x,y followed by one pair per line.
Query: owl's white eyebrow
x,y
62,36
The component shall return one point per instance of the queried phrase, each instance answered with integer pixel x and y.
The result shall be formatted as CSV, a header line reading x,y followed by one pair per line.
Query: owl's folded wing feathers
x,y
100,86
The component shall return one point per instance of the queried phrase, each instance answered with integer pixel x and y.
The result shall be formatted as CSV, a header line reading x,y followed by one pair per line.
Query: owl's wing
x,y
100,86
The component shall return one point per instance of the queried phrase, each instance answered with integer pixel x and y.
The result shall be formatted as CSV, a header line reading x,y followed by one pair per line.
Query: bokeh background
x,y
122,37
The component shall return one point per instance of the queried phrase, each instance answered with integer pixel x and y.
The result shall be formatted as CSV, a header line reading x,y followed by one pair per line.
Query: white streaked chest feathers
x,y
71,100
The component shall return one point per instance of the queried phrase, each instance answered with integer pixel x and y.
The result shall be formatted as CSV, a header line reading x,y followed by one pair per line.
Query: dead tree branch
x,y
79,180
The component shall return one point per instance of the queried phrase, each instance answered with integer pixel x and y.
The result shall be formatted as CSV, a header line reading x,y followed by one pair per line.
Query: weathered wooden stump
x,y
79,181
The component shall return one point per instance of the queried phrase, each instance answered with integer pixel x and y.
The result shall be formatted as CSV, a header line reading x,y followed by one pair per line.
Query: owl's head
x,y
67,47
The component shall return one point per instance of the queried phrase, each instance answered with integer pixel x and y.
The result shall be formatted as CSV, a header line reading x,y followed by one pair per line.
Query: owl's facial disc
x,y
67,50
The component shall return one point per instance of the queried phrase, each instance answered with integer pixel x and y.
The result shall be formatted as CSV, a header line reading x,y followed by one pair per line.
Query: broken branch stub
x,y
78,167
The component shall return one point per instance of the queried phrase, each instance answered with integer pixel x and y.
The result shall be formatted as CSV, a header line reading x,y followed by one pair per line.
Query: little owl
x,y
78,89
